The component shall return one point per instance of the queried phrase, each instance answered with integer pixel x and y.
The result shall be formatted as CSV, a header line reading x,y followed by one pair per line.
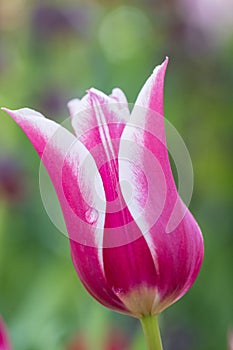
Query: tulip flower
x,y
4,339
137,251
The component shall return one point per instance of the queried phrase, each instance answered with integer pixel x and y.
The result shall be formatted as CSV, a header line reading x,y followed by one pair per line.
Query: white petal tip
x,y
23,113
74,106
95,92
7,110
162,66
91,90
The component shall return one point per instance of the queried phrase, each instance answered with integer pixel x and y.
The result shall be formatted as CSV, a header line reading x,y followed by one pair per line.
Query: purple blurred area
x,y
49,21
12,180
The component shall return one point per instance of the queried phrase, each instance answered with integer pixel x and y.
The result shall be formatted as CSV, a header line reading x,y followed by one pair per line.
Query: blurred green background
x,y
52,51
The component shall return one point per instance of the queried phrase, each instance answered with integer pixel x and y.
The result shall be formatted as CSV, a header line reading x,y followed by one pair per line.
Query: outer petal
x,y
68,163
4,339
178,254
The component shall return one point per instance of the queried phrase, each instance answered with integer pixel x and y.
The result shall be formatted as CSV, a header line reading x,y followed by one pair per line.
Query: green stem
x,y
151,331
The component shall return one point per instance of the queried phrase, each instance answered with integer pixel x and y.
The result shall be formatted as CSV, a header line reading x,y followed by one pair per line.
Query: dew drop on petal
x,y
117,290
91,215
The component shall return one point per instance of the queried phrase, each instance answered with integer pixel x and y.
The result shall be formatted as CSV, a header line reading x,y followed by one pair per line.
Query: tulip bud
x,y
136,251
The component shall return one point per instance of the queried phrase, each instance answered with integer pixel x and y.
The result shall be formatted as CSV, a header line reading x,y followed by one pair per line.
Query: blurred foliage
x,y
53,51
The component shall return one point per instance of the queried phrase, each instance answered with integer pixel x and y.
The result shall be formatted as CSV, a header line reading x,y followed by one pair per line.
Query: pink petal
x,y
143,156
129,267
4,339
87,264
178,254
68,163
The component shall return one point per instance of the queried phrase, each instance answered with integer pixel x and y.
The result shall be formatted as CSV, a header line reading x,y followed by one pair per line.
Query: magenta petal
x,y
69,164
129,268
87,264
143,156
178,254
4,339
88,257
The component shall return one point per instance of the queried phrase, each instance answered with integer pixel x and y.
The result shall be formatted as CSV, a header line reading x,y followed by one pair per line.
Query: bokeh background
x,y
52,51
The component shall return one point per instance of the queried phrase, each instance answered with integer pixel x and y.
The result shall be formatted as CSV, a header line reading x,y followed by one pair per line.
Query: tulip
x,y
138,252
4,339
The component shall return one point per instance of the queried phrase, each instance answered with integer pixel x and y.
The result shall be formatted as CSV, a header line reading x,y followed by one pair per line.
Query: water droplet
x,y
91,215
117,290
